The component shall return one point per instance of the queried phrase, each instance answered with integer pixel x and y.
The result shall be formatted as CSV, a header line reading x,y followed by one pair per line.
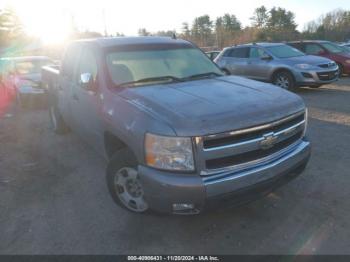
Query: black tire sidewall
x,y
61,127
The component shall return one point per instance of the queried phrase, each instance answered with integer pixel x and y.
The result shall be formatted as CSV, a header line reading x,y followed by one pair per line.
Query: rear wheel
x,y
284,79
57,123
124,183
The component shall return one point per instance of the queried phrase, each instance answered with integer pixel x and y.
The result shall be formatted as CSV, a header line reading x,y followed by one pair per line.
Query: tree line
x,y
274,24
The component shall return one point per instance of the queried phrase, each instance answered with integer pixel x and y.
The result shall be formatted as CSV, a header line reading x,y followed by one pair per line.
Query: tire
x,y
57,123
315,86
284,79
341,70
123,182
226,71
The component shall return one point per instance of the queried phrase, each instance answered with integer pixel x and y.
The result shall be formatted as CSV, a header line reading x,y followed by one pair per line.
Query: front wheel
x,y
284,80
124,183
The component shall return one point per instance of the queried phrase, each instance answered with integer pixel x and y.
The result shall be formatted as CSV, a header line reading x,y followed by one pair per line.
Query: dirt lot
x,y
53,197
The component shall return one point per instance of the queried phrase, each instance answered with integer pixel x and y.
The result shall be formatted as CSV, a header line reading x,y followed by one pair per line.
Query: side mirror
x,y
266,58
87,82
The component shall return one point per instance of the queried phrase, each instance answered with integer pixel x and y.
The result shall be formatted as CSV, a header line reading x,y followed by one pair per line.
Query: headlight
x,y
347,61
171,153
303,66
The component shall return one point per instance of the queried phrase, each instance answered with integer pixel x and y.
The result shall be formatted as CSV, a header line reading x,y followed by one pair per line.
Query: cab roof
x,y
137,40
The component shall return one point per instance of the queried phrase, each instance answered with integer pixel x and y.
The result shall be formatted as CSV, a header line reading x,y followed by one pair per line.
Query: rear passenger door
x,y
237,60
257,68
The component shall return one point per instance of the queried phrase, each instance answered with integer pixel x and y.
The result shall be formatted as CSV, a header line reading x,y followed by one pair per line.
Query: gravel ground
x,y
53,197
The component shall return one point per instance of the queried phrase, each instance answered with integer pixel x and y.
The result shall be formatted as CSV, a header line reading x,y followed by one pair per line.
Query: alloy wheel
x,y
282,81
129,189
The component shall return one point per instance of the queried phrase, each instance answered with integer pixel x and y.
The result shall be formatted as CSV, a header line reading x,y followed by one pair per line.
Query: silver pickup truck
x,y
179,135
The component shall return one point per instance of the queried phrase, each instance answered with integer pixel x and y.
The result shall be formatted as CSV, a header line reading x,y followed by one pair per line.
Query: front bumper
x,y
164,189
316,77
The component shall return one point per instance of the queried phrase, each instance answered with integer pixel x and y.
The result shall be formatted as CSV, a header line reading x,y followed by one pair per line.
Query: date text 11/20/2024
x,y
173,258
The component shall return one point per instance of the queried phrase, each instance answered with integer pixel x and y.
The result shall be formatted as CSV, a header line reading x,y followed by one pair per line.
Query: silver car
x,y
279,64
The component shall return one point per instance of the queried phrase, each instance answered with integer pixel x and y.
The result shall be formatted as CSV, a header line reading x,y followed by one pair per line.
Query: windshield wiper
x,y
203,75
152,79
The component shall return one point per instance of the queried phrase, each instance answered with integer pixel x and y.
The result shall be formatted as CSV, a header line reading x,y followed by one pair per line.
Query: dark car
x,y
326,49
21,76
346,47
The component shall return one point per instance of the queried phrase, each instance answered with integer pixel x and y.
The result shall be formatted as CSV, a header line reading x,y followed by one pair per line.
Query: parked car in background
x,y
325,49
22,77
279,64
212,54
179,135
346,47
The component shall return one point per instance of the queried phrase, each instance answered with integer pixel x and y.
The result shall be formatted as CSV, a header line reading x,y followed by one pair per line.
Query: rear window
x,y
296,45
240,52
70,60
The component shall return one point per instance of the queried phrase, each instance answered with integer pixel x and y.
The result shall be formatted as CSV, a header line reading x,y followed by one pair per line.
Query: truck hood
x,y
210,106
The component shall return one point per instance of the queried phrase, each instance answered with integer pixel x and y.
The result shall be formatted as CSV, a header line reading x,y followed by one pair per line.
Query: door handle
x,y
75,97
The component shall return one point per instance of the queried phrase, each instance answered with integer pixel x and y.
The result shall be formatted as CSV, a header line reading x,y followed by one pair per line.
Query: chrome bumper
x,y
227,182
163,189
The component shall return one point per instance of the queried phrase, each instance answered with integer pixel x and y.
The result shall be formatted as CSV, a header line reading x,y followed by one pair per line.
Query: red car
x,y
326,49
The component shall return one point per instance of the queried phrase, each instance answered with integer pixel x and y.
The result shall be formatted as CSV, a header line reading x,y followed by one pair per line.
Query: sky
x,y
51,19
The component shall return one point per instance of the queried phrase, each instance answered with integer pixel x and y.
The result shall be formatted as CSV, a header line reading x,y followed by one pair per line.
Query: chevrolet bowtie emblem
x,y
269,141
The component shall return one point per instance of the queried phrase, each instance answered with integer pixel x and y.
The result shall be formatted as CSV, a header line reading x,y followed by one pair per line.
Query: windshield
x,y
284,51
332,48
158,65
30,66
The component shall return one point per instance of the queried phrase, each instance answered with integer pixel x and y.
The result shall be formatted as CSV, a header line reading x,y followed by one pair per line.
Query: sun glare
x,y
52,32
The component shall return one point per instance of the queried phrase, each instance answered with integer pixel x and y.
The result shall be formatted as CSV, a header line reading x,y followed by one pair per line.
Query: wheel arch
x,y
113,143
281,69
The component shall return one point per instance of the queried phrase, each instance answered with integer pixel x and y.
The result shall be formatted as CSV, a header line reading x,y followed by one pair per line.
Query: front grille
x,y
252,155
328,65
330,75
242,147
251,135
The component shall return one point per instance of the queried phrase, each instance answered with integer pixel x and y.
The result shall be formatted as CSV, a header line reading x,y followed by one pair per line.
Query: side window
x,y
295,45
228,53
256,52
69,64
240,52
87,64
313,49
